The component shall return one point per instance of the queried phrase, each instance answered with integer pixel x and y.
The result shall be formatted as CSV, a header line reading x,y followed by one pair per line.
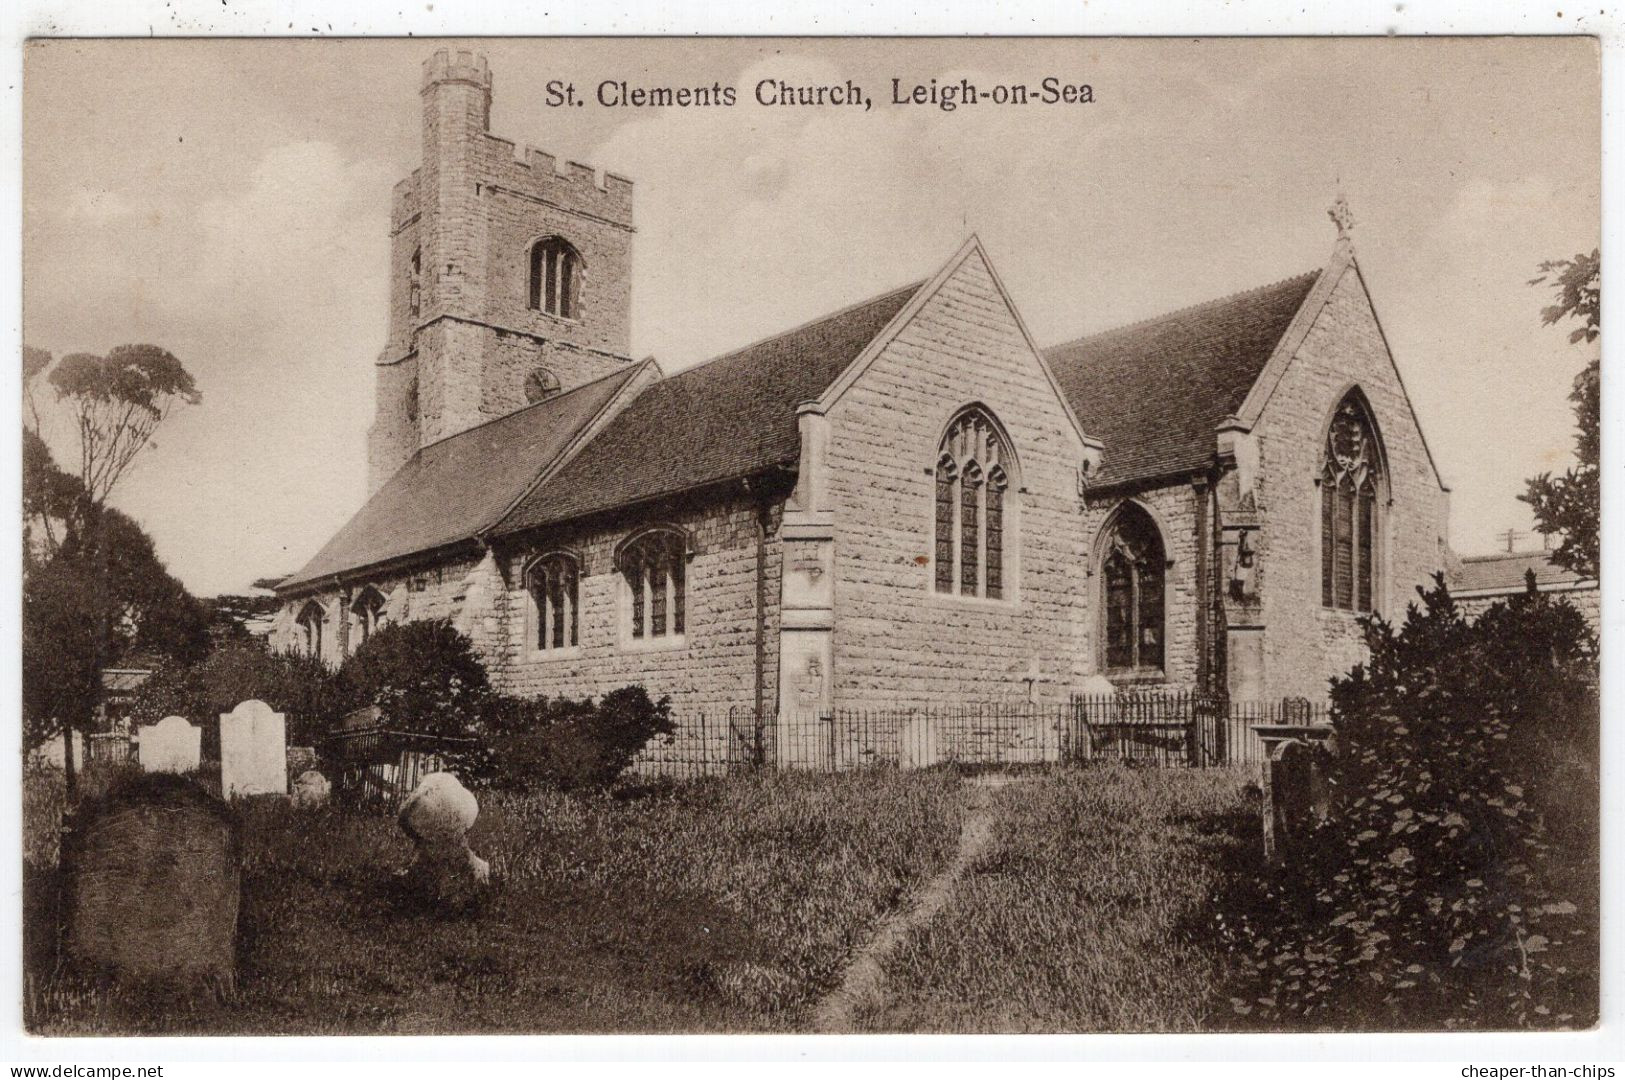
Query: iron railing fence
x,y
377,767
1162,729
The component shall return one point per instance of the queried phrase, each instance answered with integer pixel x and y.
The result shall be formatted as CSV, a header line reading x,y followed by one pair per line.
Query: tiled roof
x,y
1154,392
1504,572
450,490
729,417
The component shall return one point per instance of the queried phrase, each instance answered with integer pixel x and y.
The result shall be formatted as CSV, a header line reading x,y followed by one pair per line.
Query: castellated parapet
x,y
463,331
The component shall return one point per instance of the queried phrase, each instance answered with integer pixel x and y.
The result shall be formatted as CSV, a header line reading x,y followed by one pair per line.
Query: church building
x,y
907,502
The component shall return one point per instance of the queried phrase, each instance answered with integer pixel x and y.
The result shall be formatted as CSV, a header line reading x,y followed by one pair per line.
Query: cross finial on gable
x,y
1341,216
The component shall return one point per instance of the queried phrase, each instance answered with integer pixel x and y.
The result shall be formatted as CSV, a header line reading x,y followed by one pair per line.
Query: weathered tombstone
x,y
437,816
1296,795
311,790
253,751
153,885
301,759
171,745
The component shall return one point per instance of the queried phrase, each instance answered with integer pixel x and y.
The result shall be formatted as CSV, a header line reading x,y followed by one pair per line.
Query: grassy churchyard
x,y
733,904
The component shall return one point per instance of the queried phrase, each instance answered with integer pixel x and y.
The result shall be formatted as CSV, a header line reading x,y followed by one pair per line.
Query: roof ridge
x,y
527,408
837,313
1187,309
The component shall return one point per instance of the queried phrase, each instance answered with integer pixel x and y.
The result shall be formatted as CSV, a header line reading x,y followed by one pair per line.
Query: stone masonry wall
x,y
714,668
1587,600
458,589
896,641
1306,644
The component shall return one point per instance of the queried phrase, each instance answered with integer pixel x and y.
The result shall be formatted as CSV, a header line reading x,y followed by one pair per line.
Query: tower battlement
x,y
460,65
504,261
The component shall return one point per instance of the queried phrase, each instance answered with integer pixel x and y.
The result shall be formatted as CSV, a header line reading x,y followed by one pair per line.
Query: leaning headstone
x,y
311,790
253,751
153,885
437,816
171,745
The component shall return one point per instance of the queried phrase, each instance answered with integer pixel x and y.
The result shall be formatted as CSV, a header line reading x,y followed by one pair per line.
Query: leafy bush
x,y
1436,894
299,686
425,676
571,745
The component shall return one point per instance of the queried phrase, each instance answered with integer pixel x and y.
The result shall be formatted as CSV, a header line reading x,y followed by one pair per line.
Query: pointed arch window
x,y
1133,567
972,508
367,615
555,277
654,568
553,583
1350,476
312,621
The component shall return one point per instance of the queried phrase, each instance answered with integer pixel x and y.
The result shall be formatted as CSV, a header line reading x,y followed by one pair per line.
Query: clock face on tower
x,y
540,383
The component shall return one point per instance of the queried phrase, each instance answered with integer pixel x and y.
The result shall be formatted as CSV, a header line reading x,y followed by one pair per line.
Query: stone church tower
x,y
509,280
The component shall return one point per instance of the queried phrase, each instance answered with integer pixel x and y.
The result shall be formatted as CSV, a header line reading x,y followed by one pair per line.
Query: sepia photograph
x,y
839,535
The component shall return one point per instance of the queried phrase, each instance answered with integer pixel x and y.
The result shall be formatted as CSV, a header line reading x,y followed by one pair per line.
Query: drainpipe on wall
x,y
1219,673
1204,599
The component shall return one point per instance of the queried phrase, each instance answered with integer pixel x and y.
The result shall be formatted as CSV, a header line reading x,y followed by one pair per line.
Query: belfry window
x,y
554,584
1349,478
654,567
555,277
1133,568
311,622
367,615
971,510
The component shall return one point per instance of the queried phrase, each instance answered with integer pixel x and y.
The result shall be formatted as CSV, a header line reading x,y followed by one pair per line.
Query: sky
x,y
229,200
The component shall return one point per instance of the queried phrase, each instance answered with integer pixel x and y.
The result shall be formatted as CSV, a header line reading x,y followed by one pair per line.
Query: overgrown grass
x,y
722,905
1083,913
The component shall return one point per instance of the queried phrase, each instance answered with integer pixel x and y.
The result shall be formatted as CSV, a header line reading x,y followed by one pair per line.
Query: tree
x,y
94,589
53,501
104,596
1453,882
1569,505
118,401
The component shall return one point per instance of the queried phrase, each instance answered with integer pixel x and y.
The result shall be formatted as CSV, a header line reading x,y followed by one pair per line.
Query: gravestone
x,y
437,816
301,758
153,885
171,745
1296,794
311,790
253,751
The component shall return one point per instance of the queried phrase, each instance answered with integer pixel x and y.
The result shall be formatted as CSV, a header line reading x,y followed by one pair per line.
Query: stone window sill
x,y
972,603
1137,678
669,643
1343,614
568,652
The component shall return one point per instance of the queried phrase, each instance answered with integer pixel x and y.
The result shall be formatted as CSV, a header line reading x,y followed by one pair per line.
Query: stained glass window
x,y
1134,570
554,585
972,508
1348,509
367,614
655,566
